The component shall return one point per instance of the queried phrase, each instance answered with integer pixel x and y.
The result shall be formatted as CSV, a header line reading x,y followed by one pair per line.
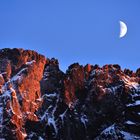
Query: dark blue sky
x,y
84,31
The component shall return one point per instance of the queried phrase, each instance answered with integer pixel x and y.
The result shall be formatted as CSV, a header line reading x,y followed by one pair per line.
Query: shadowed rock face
x,y
39,101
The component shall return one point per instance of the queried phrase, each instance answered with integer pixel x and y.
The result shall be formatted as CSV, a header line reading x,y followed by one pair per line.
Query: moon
x,y
123,29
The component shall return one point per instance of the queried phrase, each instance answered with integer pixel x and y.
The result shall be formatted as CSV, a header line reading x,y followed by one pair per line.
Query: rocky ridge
x,y
39,101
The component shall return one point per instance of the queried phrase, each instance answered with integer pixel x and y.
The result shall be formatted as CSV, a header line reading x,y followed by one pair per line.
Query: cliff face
x,y
39,101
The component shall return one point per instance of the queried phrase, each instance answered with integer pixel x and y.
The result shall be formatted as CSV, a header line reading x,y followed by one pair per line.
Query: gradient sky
x,y
84,31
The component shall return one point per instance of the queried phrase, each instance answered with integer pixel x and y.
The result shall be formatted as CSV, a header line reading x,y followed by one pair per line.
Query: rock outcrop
x,y
39,101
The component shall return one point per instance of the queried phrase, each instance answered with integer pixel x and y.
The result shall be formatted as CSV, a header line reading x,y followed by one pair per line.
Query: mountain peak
x,y
39,101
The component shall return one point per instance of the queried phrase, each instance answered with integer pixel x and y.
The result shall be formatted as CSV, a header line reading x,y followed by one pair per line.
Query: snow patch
x,y
109,129
134,104
128,136
30,62
63,115
46,74
49,113
18,76
129,122
7,94
52,121
51,95
84,120
40,138
24,134
12,90
135,95
1,115
71,105
1,74
131,84
93,73
115,88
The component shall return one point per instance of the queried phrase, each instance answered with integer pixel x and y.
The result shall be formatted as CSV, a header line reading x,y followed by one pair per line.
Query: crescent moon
x,y
123,29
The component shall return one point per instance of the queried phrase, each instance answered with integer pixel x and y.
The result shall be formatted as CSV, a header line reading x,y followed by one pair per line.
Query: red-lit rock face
x,y
39,101
22,71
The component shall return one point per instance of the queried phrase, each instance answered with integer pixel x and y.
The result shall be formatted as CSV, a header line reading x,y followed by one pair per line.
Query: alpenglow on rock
x,y
40,102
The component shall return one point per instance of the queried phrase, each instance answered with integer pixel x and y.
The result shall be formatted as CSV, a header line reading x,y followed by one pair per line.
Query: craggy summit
x,y
40,102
